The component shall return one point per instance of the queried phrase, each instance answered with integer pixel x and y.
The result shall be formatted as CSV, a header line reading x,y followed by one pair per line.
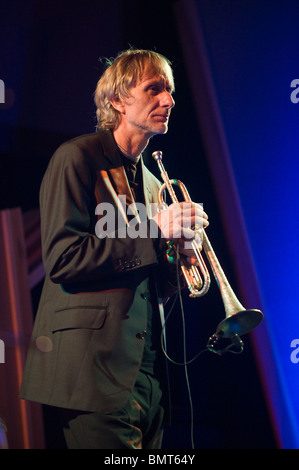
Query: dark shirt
x,y
134,175
151,336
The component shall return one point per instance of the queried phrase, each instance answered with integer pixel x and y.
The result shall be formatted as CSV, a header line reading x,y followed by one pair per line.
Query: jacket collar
x,y
110,148
117,172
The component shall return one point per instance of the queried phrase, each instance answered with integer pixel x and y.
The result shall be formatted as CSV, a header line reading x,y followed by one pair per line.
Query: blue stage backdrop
x,y
252,52
243,62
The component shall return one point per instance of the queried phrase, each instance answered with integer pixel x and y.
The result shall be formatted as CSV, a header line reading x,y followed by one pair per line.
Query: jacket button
x,y
141,335
121,264
44,344
145,295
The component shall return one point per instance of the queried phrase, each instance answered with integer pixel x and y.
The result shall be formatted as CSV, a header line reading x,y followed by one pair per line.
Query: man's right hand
x,y
177,221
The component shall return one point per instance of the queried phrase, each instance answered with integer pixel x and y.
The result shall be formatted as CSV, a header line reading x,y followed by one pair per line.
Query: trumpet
x,y
238,321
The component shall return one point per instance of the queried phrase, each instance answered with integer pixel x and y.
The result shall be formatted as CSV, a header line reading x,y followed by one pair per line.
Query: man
x,y
95,350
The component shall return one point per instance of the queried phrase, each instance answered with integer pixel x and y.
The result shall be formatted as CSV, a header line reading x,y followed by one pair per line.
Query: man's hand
x,y
185,249
182,223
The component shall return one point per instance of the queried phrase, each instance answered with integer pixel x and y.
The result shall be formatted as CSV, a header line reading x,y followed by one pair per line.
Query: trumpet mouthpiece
x,y
157,155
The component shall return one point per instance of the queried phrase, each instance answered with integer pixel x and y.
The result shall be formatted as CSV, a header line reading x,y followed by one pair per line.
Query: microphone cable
x,y
236,343
185,362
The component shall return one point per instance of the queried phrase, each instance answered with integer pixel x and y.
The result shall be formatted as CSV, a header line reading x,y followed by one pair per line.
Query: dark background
x,y
49,61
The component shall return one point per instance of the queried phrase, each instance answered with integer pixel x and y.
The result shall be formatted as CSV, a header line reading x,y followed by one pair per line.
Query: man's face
x,y
147,110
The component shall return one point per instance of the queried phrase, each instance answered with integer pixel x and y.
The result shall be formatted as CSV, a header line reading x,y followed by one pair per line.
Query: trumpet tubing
x,y
238,321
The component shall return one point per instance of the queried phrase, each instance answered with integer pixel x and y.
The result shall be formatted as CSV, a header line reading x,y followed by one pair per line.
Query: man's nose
x,y
167,100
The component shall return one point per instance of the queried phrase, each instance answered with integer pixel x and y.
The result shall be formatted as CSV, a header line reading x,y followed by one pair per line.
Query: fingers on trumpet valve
x,y
182,220
191,214
194,220
201,217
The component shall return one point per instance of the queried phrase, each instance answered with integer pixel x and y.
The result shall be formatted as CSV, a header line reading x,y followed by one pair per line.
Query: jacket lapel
x,y
148,196
115,177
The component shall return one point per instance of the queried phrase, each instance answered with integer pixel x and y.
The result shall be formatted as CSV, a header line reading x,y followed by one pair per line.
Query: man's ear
x,y
118,104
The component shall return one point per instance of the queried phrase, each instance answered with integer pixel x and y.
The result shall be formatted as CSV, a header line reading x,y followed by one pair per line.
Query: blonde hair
x,y
120,76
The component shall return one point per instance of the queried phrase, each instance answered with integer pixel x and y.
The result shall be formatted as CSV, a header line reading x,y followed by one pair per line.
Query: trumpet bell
x,y
239,323
231,328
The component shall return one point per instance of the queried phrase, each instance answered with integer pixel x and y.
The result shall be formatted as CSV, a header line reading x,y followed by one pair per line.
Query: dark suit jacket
x,y
87,342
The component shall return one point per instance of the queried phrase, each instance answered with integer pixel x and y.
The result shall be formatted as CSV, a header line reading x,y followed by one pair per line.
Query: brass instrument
x,y
238,321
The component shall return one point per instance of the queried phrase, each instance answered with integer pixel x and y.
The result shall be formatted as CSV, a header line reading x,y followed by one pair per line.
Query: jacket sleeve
x,y
71,250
